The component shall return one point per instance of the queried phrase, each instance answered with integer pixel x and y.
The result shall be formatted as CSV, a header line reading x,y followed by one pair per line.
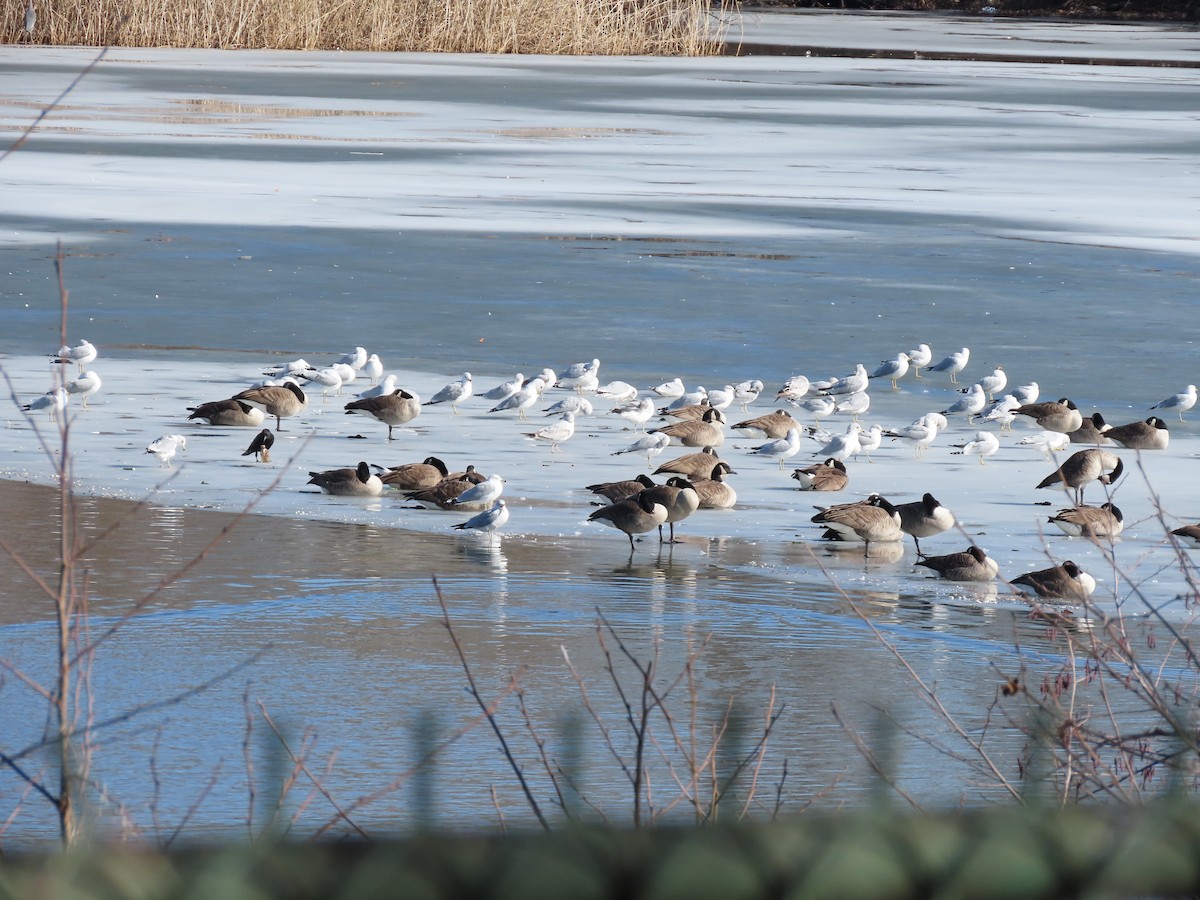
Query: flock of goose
x,y
669,414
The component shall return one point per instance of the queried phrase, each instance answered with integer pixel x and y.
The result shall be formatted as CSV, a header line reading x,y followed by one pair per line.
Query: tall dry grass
x,y
610,27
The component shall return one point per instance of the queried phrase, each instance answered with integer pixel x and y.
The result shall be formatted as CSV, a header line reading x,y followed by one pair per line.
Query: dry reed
x,y
606,27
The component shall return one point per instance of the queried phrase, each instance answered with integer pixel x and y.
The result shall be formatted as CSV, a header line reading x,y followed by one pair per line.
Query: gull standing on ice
x,y
893,369
581,376
521,400
853,383
164,448
84,352
919,359
385,387
488,520
842,446
483,494
870,440
782,448
994,383
638,413
650,444
453,393
1181,402
920,433
53,402
84,386
972,403
855,404
373,368
670,390
556,432
505,389
746,393
985,444
953,364
328,379
355,359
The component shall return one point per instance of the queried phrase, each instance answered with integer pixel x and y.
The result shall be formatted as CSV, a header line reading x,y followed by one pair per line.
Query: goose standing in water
x,y
637,515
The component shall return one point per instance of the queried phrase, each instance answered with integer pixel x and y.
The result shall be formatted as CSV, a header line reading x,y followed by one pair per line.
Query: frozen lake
x,y
713,219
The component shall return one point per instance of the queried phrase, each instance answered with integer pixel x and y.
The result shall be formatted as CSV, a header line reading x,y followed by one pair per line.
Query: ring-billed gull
x,y
385,387
919,359
650,444
483,494
328,380
870,440
164,448
794,388
620,391
670,390
1181,402
487,521
953,364
985,444
84,386
555,433
355,359
1047,441
529,394
855,404
746,392
722,398
81,354
994,383
373,368
970,404
638,412
848,384
921,433
893,369
842,446
52,403
505,389
781,448
397,408
581,406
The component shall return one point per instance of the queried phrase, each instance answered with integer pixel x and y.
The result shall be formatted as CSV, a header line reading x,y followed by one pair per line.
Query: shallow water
x,y
737,218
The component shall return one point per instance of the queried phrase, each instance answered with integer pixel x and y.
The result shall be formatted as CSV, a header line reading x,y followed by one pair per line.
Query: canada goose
x,y
1149,435
1090,521
482,495
1055,415
1189,535
893,369
693,465
1082,467
985,444
1093,430
688,413
81,354
616,491
1065,582
637,515
488,520
415,476
714,493
871,520
555,433
953,364
356,482
468,474
680,499
830,475
704,432
84,386
164,447
971,564
281,401
781,449
442,495
924,518
396,408
650,444
261,446
454,393
774,425
236,413
1182,401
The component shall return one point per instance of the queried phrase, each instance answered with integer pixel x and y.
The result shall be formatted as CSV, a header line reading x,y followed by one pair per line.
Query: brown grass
x,y
610,27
